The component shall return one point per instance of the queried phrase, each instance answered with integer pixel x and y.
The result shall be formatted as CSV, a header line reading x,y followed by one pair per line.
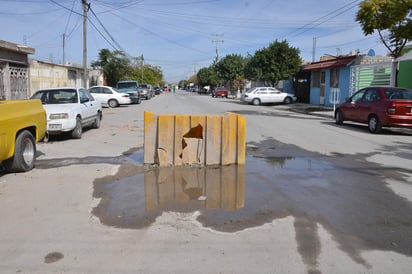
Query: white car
x,y
264,95
69,110
109,96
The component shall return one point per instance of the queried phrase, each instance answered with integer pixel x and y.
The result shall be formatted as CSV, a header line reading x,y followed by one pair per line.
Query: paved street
x,y
313,197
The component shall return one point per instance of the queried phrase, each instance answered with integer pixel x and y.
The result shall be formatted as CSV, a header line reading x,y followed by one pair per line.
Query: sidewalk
x,y
317,110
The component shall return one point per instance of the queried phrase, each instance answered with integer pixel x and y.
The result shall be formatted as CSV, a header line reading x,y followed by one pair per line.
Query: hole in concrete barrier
x,y
195,132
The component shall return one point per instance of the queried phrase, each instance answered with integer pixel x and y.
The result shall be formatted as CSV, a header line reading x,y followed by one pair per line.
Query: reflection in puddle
x,y
212,188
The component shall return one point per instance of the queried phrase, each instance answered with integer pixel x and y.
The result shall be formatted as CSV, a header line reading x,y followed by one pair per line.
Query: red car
x,y
378,107
220,92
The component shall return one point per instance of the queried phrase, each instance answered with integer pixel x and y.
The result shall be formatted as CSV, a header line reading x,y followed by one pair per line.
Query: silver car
x,y
264,95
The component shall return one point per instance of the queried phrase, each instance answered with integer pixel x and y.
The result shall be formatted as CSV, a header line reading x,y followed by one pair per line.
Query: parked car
x,y
264,95
377,107
130,87
220,92
109,96
146,91
200,90
69,110
157,90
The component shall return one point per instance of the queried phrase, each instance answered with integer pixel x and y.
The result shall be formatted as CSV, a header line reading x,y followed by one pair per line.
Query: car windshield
x,y
398,94
64,96
126,85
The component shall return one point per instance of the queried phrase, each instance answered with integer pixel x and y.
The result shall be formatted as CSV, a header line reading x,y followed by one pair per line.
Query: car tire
x,y
287,101
78,130
113,103
24,153
97,121
255,102
374,125
338,117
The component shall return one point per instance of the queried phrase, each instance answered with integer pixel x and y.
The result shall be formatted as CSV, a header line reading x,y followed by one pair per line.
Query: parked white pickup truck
x,y
69,110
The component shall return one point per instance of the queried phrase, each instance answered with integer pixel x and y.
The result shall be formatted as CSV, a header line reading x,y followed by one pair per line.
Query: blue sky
x,y
181,36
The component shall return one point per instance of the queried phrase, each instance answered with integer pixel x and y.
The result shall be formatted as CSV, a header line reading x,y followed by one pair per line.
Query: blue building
x,y
330,80
335,78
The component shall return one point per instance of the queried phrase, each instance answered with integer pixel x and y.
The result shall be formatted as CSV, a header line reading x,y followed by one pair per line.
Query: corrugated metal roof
x,y
338,62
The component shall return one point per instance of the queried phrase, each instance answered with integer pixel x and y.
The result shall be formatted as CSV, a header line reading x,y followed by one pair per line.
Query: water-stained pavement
x,y
344,193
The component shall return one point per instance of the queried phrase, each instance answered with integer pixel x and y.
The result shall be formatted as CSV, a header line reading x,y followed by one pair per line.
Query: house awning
x,y
338,62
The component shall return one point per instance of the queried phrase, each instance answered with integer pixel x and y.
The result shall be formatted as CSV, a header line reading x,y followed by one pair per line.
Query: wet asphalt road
x,y
344,195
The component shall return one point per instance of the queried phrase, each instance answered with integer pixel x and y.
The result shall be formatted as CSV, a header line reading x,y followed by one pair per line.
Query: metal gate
x,y
382,74
14,82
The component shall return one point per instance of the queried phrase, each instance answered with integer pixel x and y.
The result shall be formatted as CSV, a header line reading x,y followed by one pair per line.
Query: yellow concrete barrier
x,y
194,139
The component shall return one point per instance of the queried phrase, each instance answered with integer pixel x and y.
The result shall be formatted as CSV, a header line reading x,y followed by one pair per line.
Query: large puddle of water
x,y
345,194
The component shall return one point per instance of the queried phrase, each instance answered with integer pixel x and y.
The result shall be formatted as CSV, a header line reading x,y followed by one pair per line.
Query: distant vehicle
x,y
157,90
166,89
69,110
220,92
264,95
130,87
201,90
109,96
146,91
377,107
22,126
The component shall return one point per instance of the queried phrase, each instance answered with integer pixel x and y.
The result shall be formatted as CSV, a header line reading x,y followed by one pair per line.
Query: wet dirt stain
x,y
53,257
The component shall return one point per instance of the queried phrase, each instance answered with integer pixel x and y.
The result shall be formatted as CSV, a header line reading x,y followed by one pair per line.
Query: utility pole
x,y
85,73
142,63
314,49
217,41
64,48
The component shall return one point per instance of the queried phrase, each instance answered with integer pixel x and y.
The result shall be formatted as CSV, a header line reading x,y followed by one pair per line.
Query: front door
x,y
322,87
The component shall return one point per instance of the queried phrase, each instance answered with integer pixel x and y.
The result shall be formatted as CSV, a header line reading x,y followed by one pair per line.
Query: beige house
x,y
49,75
14,70
21,76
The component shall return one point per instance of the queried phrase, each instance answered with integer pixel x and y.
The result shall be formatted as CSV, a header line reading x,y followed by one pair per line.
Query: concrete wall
x,y
194,139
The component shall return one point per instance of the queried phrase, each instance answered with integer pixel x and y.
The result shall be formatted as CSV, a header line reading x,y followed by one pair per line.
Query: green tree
x,y
391,19
277,62
115,65
230,68
207,76
146,74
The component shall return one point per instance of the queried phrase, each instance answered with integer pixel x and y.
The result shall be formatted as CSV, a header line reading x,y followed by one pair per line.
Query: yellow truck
x,y
22,126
